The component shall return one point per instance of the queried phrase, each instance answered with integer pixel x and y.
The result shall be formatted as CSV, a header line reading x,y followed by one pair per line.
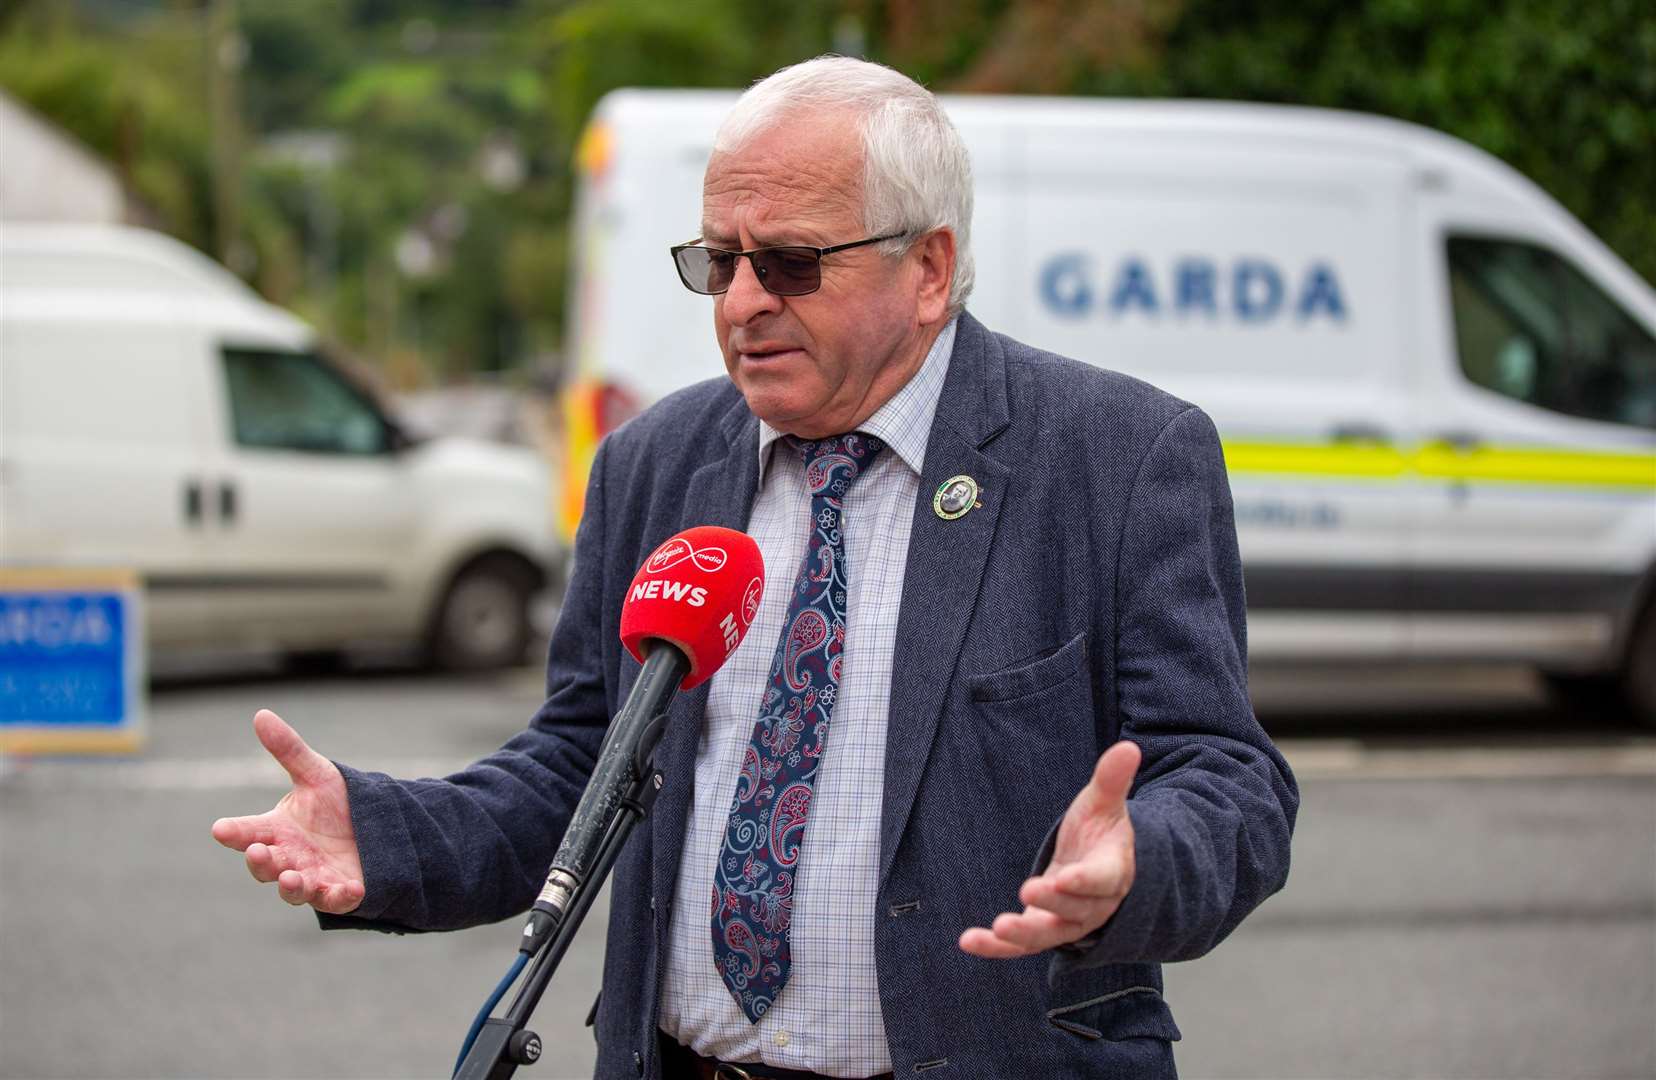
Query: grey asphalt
x,y
1473,895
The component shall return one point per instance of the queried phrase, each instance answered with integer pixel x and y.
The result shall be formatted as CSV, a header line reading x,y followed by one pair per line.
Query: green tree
x,y
127,103
1564,92
432,222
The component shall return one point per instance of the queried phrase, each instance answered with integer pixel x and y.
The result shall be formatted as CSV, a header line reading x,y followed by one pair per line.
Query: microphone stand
x,y
505,1042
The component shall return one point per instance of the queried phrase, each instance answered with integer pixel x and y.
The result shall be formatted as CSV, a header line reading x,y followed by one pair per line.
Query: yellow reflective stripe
x,y
1322,459
1443,461
580,447
1559,468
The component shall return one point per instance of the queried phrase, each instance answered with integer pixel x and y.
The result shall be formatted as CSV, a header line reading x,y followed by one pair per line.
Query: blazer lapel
x,y
944,568
718,493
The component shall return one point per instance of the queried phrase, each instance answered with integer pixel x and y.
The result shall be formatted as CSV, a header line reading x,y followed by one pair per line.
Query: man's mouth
x,y
767,353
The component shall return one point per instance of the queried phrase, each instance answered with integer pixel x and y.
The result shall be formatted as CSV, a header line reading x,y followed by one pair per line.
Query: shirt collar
x,y
904,422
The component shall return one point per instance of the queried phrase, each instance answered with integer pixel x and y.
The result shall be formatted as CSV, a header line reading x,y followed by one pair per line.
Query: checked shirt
x,y
827,1019
752,896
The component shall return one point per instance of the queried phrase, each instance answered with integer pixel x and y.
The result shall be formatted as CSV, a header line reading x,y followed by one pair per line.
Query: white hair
x,y
916,175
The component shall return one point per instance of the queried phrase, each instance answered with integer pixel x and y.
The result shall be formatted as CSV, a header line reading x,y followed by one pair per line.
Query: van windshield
x,y
1530,326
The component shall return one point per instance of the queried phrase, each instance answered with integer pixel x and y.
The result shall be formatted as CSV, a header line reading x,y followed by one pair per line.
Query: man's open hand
x,y
1089,875
306,844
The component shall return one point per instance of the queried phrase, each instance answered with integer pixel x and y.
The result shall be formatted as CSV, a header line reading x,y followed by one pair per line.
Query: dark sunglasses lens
x,y
788,271
706,270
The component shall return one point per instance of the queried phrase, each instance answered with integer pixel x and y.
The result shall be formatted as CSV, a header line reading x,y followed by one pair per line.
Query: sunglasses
x,y
789,270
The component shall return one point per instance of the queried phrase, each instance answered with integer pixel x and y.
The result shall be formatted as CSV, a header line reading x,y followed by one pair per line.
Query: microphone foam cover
x,y
699,591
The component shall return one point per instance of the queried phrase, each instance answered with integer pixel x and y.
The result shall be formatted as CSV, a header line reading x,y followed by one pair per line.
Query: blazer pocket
x,y
1131,1012
1029,678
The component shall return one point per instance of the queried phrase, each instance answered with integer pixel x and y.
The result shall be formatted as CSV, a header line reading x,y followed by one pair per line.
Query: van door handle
x,y
227,503
1360,432
1461,440
192,502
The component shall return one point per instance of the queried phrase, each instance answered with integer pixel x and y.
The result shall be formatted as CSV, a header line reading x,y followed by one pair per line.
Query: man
x,y
1081,710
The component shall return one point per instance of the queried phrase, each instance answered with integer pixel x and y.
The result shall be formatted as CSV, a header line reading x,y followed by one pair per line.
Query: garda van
x,y
1436,389
155,414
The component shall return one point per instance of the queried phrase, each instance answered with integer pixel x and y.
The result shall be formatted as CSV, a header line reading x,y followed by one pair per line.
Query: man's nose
x,y
747,298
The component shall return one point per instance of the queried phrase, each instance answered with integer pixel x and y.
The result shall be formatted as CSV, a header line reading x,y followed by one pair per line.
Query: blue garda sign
x,y
1248,291
72,672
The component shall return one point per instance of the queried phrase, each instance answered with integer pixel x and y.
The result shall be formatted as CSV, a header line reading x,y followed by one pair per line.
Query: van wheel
x,y
483,621
312,663
1587,696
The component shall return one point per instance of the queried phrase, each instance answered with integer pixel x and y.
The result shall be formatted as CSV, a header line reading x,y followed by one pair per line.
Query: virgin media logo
x,y
668,555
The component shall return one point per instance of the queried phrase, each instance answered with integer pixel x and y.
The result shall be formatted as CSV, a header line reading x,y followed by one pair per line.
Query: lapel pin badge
x,y
956,496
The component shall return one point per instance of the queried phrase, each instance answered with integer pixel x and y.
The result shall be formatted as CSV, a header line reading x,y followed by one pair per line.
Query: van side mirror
x,y
398,440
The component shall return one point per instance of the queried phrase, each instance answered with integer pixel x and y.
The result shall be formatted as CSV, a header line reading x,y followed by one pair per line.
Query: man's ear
x,y
935,253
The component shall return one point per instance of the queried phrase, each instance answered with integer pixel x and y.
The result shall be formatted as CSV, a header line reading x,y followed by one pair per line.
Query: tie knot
x,y
833,464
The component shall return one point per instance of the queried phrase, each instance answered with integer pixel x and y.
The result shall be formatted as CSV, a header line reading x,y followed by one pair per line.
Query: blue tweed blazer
x,y
1097,595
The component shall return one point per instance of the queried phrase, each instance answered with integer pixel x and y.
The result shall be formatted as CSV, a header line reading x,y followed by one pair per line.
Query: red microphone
x,y
686,611
699,592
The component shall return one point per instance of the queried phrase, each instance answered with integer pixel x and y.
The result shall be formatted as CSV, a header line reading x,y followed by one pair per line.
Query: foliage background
x,y
402,167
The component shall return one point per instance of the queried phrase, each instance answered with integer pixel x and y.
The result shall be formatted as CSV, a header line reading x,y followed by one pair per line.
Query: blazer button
x,y
638,1062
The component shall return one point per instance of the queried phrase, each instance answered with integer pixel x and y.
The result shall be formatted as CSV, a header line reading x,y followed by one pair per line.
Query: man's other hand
x,y
1089,875
306,844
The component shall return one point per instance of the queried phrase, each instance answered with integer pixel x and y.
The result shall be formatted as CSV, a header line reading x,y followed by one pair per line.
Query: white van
x,y
156,414
1436,389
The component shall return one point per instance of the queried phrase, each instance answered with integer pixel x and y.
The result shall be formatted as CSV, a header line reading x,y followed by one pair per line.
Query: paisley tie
x,y
754,880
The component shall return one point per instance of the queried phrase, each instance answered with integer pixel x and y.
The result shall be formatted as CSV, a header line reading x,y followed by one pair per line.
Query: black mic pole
x,y
622,789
